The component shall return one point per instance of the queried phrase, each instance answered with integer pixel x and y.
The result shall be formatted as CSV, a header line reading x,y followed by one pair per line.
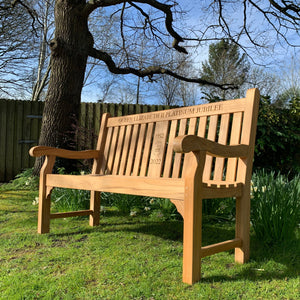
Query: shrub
x,y
23,181
275,207
278,138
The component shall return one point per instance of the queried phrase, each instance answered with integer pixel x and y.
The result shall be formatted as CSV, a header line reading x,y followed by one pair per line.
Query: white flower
x,y
263,189
147,208
82,172
35,201
133,213
151,201
255,188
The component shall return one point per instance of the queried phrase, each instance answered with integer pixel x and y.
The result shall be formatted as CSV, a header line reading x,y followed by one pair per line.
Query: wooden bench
x,y
184,154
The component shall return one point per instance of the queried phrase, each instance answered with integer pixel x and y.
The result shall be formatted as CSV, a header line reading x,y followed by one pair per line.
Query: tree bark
x,y
69,52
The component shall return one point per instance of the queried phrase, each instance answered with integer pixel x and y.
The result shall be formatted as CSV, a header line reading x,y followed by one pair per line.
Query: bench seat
x,y
172,188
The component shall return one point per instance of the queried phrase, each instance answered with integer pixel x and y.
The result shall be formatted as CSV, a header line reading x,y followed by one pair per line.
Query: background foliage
x,y
278,138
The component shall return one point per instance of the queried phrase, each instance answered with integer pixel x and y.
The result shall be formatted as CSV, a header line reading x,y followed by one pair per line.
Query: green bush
x,y
278,138
275,206
23,181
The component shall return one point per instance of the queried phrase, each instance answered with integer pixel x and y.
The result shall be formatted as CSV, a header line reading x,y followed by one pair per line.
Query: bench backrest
x,y
141,144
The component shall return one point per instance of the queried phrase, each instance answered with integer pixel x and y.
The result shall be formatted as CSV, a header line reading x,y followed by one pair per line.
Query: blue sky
x,y
276,57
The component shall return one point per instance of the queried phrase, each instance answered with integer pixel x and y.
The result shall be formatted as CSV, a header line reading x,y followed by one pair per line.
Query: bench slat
x,y
229,106
219,165
125,150
178,156
112,150
234,140
106,150
202,127
191,130
133,185
158,149
170,151
119,150
146,150
212,130
139,149
132,149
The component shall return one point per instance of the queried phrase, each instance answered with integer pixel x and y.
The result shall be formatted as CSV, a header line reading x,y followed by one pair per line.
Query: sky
x,y
274,58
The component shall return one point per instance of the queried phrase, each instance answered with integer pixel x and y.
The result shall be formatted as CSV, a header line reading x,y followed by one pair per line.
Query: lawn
x,y
129,257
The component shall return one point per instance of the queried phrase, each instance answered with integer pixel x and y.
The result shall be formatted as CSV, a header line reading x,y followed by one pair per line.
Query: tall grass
x,y
275,207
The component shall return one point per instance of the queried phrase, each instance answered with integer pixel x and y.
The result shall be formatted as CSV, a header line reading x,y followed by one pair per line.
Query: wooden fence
x,y
20,123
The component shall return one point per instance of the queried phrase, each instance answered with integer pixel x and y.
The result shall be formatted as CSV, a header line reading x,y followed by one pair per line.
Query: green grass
x,y
128,258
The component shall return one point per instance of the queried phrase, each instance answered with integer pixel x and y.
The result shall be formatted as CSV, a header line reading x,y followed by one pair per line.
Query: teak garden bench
x,y
184,154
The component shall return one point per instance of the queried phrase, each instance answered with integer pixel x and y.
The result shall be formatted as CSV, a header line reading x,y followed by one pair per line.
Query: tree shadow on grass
x,y
287,255
212,233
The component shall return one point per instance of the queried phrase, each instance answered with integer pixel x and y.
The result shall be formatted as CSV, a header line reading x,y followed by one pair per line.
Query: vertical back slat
x,y
101,144
170,151
125,149
132,149
202,127
139,149
112,150
235,137
212,130
191,131
158,149
119,149
223,137
106,151
178,156
146,152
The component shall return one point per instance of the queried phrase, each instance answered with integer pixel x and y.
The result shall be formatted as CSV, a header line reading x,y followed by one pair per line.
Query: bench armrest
x,y
44,150
187,143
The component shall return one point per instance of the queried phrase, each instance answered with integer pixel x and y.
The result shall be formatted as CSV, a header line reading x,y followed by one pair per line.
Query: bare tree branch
x,y
31,12
165,8
150,71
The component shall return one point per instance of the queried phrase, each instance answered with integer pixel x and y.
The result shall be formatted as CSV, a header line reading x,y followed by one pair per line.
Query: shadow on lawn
x,y
214,233
287,255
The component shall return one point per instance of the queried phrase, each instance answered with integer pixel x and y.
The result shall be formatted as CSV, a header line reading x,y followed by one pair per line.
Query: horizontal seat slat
x,y
135,185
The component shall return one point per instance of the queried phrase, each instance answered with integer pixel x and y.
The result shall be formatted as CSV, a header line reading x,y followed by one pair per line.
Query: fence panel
x,y
20,123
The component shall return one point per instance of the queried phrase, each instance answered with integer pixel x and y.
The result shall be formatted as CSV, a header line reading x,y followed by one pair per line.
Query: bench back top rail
x,y
142,144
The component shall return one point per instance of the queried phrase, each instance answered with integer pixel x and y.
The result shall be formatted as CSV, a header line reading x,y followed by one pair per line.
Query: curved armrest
x,y
44,150
187,143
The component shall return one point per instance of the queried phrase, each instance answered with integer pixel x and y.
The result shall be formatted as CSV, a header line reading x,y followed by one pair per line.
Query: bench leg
x,y
243,227
44,210
95,207
192,235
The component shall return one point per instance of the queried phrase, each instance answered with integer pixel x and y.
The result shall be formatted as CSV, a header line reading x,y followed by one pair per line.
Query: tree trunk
x,y
69,52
